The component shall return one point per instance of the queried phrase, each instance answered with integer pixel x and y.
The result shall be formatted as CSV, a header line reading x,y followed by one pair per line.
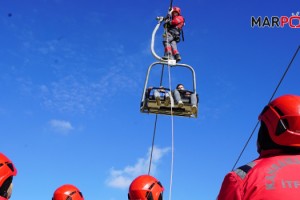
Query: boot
x,y
167,56
194,109
167,100
180,104
177,57
157,99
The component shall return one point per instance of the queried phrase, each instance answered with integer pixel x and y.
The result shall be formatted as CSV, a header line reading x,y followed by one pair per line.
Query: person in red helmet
x,y
275,173
7,171
173,28
67,192
145,187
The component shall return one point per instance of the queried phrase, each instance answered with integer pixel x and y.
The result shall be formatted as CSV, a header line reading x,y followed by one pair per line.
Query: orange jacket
x,y
273,176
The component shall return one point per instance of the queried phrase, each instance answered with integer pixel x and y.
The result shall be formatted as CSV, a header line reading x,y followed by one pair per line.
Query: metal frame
x,y
186,110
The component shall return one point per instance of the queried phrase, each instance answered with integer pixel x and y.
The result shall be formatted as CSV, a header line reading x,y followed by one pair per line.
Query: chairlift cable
x,y
245,146
288,67
279,83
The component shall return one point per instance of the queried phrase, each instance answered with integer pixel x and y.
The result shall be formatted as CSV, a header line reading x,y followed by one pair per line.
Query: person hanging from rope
x,y
173,30
275,173
145,187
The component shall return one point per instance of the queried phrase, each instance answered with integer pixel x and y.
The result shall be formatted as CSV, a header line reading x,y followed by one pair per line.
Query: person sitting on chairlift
x,y
180,92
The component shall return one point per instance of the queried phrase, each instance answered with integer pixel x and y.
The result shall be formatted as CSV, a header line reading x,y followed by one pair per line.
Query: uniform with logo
x,y
275,175
272,176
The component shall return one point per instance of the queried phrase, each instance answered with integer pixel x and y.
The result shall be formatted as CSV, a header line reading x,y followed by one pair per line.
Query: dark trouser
x,y
170,44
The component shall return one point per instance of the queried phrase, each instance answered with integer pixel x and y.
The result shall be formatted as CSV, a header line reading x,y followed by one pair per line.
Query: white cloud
x,y
122,178
76,80
78,93
61,126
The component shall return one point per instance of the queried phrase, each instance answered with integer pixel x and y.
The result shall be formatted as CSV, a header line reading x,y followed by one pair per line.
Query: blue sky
x,y
72,76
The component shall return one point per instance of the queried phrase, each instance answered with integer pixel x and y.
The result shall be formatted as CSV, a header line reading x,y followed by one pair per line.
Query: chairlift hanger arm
x,y
159,19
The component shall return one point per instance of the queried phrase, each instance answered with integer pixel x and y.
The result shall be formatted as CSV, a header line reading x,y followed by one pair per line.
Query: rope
x,y
172,128
152,147
279,83
154,131
245,146
171,5
172,121
167,44
288,67
166,33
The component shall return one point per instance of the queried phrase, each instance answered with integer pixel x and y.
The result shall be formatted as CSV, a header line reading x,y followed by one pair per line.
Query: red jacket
x,y
273,176
177,21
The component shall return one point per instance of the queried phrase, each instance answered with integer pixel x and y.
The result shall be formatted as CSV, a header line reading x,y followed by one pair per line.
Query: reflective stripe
x,y
243,170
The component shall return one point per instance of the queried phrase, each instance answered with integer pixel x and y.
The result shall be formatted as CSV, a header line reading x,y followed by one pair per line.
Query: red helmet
x,y
67,192
282,118
145,187
176,9
7,171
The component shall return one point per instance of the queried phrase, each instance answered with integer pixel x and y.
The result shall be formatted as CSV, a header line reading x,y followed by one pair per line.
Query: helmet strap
x,y
4,187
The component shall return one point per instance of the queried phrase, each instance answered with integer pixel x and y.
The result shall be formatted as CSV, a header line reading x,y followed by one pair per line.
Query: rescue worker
x,y
145,187
274,175
67,192
173,28
7,171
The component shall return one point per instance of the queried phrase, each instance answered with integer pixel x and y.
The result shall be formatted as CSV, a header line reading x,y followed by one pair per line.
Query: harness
x,y
175,30
179,30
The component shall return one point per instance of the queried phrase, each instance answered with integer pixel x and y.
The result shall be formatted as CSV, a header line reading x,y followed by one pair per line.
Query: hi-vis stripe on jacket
x,y
273,176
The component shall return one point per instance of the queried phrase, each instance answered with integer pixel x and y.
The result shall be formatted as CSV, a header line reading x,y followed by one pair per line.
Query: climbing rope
x,y
172,129
152,147
172,120
279,83
155,122
166,35
172,133
171,5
